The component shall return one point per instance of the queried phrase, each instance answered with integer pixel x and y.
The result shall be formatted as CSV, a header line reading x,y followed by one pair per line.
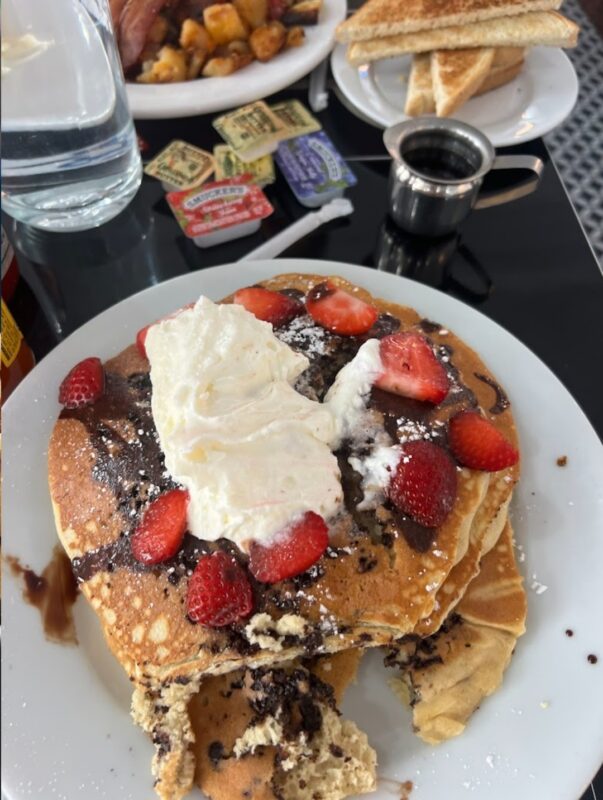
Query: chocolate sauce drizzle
x,y
129,460
502,401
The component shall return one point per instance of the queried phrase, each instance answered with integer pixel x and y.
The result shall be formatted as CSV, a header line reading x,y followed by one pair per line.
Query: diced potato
x,y
254,12
267,40
239,47
304,13
158,30
169,67
197,59
219,67
193,36
295,36
224,24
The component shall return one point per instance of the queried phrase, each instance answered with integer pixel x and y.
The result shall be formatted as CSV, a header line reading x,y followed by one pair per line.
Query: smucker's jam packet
x,y
314,169
181,166
220,211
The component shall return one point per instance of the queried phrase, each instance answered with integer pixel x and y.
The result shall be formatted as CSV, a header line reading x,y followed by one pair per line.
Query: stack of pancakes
x,y
263,694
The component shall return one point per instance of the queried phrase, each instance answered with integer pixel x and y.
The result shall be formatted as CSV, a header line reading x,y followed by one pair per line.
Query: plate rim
x,y
340,69
271,266
143,108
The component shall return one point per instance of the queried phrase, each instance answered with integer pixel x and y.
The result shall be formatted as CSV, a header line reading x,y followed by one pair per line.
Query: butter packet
x,y
228,165
181,166
296,118
314,169
252,131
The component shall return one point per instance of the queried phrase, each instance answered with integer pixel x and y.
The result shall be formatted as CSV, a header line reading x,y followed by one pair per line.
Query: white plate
x,y
67,731
205,95
535,102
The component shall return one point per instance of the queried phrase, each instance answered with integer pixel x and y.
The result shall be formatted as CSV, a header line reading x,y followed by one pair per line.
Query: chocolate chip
x,y
215,752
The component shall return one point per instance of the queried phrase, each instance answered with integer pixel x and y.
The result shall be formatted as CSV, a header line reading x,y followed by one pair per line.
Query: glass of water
x,y
70,158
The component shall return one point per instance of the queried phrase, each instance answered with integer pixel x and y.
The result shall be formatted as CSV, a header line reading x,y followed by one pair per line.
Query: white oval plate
x,y
205,95
66,726
535,102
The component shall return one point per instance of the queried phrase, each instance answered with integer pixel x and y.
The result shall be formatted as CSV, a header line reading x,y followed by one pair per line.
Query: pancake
x,y
447,676
380,577
274,733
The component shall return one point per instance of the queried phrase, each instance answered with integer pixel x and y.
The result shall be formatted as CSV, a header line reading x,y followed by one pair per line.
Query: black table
x,y
527,264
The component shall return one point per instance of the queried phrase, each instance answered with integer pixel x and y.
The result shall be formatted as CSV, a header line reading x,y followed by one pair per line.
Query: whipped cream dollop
x,y
347,400
253,453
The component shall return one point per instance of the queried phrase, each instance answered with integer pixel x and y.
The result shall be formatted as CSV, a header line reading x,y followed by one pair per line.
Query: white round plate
x,y
66,726
535,102
205,95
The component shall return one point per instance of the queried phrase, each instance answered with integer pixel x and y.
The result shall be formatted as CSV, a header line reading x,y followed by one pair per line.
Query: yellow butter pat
x,y
181,166
253,131
296,118
228,165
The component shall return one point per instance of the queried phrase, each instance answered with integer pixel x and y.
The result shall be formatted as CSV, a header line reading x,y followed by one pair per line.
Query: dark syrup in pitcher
x,y
439,164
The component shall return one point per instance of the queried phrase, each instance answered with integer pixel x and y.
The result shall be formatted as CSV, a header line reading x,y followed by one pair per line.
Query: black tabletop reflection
x,y
526,265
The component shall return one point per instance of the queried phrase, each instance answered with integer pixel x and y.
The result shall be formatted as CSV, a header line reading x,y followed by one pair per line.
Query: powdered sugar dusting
x,y
303,334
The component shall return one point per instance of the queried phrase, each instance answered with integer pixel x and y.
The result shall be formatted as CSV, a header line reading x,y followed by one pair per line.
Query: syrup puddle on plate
x,y
53,593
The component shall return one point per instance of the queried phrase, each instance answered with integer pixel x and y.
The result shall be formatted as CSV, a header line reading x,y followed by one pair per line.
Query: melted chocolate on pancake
x,y
502,401
130,463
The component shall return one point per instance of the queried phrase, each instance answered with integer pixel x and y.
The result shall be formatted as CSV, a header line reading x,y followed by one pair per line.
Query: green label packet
x,y
228,165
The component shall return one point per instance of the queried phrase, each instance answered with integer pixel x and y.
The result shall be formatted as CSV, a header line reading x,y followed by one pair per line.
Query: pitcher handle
x,y
533,164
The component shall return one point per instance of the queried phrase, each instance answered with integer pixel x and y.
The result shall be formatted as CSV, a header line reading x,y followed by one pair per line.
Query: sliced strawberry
x,y
477,444
84,384
141,336
294,551
161,529
411,369
219,591
268,306
338,311
424,486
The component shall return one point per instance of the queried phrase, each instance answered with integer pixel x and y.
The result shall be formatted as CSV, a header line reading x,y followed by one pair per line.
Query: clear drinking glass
x,y
70,158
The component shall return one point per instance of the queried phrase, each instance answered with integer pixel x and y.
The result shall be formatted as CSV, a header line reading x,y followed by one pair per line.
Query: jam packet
x,y
228,165
181,166
314,169
296,118
220,211
252,131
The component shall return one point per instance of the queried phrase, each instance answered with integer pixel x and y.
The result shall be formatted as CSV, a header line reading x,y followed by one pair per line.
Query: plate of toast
x,y
318,516
499,67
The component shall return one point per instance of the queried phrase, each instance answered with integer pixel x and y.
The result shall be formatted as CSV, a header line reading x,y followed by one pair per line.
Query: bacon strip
x,y
135,21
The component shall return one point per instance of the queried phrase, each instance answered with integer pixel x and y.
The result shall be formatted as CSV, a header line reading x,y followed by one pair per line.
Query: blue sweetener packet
x,y
314,169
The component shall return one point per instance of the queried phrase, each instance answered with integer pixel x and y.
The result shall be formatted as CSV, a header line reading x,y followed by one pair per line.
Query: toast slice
x,y
456,76
506,65
507,57
389,17
541,27
419,97
499,77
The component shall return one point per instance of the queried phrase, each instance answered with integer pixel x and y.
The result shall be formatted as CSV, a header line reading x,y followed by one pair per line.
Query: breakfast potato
x,y
266,41
304,13
219,67
295,36
169,67
194,36
196,60
224,24
254,12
